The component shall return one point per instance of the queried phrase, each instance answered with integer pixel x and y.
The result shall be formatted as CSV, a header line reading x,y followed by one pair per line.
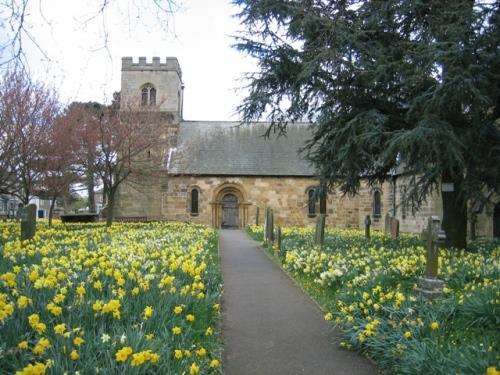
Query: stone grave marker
x,y
394,228
387,226
281,252
28,222
319,236
269,226
368,222
430,286
257,216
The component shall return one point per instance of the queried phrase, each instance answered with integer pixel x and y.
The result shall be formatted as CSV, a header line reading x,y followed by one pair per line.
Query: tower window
x,y
148,95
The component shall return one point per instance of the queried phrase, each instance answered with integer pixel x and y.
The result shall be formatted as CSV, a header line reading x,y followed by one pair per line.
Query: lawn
x,y
366,287
130,299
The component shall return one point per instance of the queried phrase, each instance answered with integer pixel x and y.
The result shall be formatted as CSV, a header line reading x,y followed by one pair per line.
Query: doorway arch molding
x,y
222,190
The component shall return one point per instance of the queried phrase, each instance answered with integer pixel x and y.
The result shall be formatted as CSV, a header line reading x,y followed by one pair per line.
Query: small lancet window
x,y
194,202
148,95
377,205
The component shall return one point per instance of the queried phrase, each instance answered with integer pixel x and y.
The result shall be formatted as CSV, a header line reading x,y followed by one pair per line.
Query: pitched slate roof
x,y
228,148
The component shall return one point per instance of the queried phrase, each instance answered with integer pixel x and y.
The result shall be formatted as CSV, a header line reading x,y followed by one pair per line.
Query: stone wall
x,y
168,197
287,196
140,194
410,221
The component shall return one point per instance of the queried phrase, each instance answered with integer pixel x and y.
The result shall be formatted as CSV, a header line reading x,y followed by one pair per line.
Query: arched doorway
x,y
230,211
229,206
496,221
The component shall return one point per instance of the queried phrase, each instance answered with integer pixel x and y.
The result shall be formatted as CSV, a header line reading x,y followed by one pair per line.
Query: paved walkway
x,y
269,326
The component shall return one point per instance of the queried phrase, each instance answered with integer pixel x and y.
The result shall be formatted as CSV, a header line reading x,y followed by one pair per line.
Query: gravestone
x,y
269,226
368,222
394,228
430,286
387,226
257,216
319,236
281,253
28,222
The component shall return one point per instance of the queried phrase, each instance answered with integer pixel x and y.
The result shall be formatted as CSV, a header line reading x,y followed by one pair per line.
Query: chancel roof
x,y
228,148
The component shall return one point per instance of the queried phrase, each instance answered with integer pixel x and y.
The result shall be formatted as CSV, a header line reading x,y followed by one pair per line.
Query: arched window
x,y
148,95
377,205
311,202
194,202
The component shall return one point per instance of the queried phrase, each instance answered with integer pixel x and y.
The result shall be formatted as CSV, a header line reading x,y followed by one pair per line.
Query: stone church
x,y
224,174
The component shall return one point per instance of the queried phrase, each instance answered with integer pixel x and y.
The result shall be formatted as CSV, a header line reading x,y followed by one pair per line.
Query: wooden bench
x,y
80,218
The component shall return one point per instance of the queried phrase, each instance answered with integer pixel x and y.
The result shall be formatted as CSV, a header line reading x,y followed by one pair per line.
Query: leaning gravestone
x,y
28,222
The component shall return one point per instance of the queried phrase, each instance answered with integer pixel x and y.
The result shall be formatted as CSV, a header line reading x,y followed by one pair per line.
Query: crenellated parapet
x,y
169,64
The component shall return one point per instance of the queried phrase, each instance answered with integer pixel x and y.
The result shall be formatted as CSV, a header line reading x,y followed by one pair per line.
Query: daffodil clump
x,y
94,300
367,287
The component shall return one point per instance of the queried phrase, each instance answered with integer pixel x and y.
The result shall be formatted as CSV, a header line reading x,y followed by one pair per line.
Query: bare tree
x,y
59,155
115,145
126,141
17,31
27,111
83,119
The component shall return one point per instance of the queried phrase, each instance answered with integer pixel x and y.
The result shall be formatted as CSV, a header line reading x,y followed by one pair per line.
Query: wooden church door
x,y
230,211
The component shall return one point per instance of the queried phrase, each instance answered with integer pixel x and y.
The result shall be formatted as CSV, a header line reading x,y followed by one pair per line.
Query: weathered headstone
x,y
257,216
28,222
394,228
265,228
368,222
387,226
278,242
269,226
430,286
319,236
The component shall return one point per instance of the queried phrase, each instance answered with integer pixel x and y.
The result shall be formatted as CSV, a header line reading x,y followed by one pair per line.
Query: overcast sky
x,y
84,48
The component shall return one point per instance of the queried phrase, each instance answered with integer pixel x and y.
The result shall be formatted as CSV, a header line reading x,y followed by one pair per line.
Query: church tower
x,y
154,86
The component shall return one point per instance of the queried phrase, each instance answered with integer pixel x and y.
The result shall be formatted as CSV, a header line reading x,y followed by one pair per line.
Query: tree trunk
x,y
51,209
454,215
90,190
110,207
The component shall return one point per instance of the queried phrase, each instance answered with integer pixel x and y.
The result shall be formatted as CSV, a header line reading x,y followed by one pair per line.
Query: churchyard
x,y
130,299
145,297
369,288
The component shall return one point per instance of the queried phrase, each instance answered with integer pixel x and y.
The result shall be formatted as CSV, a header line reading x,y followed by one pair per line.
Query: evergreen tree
x,y
412,85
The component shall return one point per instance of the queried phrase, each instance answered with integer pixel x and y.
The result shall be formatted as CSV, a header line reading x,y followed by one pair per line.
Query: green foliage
x,y
402,85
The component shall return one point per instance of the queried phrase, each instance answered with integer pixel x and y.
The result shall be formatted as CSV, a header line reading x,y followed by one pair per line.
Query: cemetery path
x,y
269,326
